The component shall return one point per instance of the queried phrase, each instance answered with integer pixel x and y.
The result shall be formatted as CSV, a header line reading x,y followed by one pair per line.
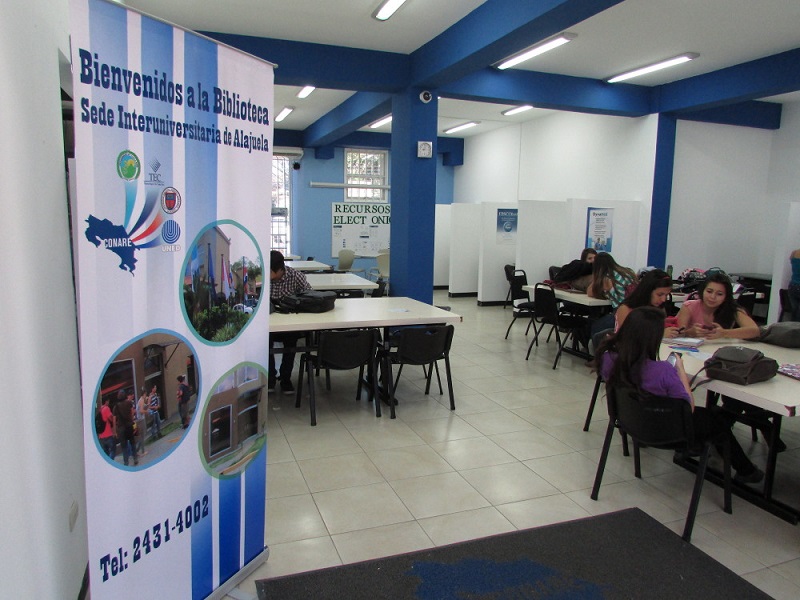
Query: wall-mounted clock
x,y
424,149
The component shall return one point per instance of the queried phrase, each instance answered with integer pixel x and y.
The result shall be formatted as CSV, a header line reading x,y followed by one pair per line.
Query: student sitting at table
x,y
630,358
284,281
716,315
653,289
609,280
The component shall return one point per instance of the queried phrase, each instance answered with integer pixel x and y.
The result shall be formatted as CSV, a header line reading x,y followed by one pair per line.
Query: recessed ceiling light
x,y
387,9
536,50
516,110
461,127
284,113
670,62
306,91
384,121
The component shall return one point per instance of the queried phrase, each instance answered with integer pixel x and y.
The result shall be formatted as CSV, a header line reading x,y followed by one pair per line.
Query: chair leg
x,y
726,457
449,381
560,347
625,451
360,381
595,393
698,487
601,465
637,460
510,326
387,382
300,375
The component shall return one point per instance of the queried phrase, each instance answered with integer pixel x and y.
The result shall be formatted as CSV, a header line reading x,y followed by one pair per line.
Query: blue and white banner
x,y
173,138
507,222
599,226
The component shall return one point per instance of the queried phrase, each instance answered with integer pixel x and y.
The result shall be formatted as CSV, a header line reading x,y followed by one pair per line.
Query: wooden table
x,y
308,265
339,281
779,395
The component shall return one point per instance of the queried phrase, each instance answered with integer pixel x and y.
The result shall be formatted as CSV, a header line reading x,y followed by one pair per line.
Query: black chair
x,y
661,422
349,293
546,312
423,346
786,303
341,350
553,272
509,272
379,291
520,301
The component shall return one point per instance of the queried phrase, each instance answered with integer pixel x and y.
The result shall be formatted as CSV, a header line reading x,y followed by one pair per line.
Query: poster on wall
x,y
599,228
506,226
362,227
172,156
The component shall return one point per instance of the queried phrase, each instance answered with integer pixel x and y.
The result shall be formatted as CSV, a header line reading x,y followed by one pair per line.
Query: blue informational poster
x,y
507,225
173,139
599,228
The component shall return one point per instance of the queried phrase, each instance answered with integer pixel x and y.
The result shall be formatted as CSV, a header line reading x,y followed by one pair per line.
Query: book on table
x,y
790,370
688,342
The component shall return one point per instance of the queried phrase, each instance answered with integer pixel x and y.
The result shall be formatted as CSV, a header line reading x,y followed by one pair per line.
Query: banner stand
x,y
226,588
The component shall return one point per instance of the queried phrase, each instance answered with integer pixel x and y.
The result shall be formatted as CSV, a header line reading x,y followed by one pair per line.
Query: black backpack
x,y
310,301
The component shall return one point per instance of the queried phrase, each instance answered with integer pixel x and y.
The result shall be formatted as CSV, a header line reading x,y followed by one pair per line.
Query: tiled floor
x,y
513,455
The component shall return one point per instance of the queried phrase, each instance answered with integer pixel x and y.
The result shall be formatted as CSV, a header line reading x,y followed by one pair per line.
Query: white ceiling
x,y
628,35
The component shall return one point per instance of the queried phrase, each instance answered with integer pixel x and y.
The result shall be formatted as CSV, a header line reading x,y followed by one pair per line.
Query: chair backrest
x,y
657,421
349,293
517,281
553,272
345,349
545,303
509,271
785,302
346,257
423,345
383,264
379,291
747,300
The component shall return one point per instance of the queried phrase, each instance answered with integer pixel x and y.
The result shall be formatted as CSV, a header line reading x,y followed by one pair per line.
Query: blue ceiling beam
x,y
777,74
761,115
545,90
357,111
324,66
493,31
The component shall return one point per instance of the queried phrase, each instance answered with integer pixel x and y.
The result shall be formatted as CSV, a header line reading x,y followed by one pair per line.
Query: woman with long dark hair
x,y
630,358
653,289
609,281
716,314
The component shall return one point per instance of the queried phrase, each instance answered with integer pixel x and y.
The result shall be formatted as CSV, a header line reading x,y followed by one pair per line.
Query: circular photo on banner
x,y
234,421
221,287
145,400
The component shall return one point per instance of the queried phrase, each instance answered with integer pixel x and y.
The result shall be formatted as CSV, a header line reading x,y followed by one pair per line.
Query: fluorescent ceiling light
x,y
384,121
461,127
670,62
387,9
536,50
306,91
516,110
284,113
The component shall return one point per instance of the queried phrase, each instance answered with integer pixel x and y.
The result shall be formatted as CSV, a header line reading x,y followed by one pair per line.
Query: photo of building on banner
x,y
173,140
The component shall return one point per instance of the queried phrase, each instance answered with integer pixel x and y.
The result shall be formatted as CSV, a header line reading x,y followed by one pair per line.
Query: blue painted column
x,y
413,196
662,191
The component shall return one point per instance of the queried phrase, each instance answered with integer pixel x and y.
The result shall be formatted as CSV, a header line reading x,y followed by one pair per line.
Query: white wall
x,y
721,214
465,234
491,168
41,441
441,246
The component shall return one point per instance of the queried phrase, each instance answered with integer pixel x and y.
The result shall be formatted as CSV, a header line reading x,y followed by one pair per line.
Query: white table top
x,y
364,312
573,296
339,281
780,394
308,265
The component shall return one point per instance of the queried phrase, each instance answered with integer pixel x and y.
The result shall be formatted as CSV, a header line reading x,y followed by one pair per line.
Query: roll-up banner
x,y
170,226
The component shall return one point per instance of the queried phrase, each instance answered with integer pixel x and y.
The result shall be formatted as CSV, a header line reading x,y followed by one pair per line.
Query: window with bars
x,y
365,168
281,204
